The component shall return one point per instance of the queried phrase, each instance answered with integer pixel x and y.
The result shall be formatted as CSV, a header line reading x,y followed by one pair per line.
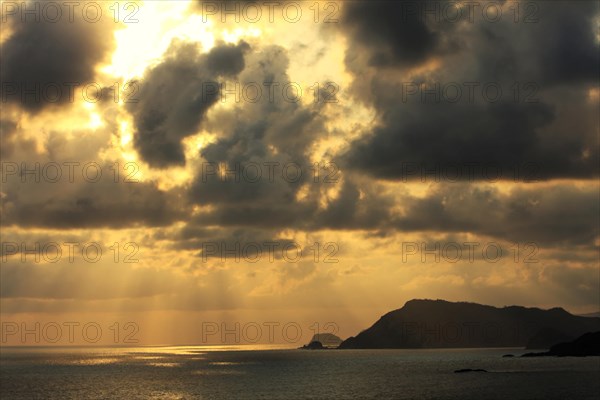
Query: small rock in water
x,y
469,370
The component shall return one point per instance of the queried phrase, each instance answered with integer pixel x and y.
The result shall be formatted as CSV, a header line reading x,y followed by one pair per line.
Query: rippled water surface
x,y
271,373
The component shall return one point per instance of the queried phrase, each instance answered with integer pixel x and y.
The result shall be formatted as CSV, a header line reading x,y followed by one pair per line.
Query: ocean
x,y
242,372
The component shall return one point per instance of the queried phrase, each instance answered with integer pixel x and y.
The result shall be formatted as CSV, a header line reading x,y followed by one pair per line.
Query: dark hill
x,y
546,338
585,345
439,324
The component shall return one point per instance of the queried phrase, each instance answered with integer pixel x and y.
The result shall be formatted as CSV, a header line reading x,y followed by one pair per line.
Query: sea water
x,y
204,372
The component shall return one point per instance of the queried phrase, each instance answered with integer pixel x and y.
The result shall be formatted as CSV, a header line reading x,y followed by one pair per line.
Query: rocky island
x,y
444,324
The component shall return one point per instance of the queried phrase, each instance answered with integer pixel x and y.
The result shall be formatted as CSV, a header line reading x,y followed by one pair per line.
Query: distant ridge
x,y
591,315
444,324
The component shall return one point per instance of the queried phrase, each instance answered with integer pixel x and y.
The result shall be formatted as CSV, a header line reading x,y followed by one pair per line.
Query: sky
x,y
214,172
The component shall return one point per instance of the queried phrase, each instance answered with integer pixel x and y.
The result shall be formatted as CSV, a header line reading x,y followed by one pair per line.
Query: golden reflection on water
x,y
206,372
164,364
153,356
94,361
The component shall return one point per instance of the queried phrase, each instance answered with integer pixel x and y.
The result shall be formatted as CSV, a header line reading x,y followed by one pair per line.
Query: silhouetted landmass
x,y
439,324
546,338
327,339
323,341
314,345
585,345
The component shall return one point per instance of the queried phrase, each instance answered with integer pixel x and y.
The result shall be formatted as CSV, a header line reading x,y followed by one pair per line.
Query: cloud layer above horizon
x,y
349,132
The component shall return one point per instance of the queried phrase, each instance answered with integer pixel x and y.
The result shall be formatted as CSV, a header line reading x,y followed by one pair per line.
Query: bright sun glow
x,y
143,43
95,121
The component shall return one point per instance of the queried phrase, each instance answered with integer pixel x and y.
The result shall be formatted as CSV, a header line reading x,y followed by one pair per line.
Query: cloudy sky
x,y
178,162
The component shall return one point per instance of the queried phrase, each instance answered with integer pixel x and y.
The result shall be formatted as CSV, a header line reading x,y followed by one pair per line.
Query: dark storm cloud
x,y
215,242
41,54
428,135
174,97
276,118
142,206
347,211
392,35
277,132
551,123
226,60
564,43
84,203
66,182
561,215
493,134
